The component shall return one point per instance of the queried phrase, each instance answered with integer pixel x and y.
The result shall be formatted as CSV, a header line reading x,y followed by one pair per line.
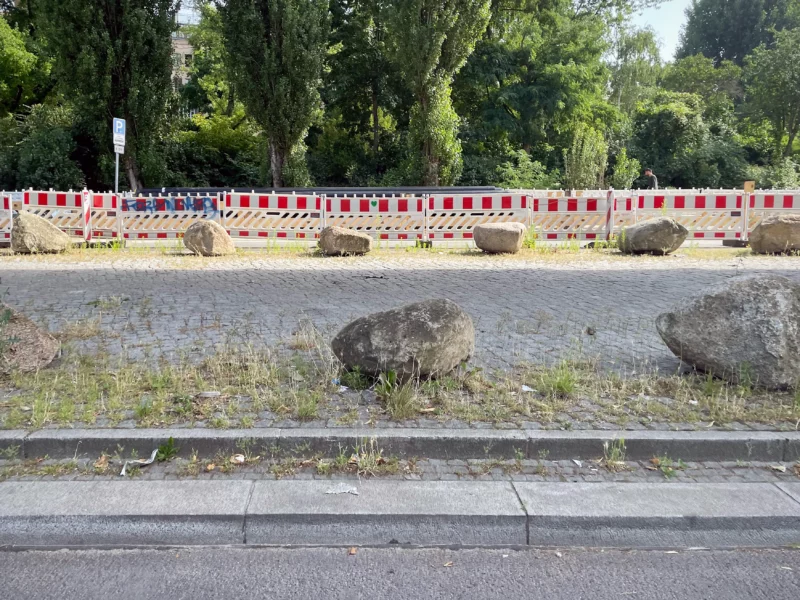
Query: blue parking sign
x,y
118,127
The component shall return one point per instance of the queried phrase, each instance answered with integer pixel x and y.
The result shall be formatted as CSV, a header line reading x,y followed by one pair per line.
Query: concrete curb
x,y
461,444
379,512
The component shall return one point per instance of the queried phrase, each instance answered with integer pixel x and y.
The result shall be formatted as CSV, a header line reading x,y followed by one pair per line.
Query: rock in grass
x,y
776,234
745,331
425,339
661,235
31,234
23,345
340,241
499,238
208,238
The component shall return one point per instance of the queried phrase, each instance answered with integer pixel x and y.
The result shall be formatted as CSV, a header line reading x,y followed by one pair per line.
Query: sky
x,y
666,21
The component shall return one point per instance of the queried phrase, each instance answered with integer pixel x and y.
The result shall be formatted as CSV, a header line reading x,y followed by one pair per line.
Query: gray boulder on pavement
x,y
776,234
745,330
23,345
424,339
499,238
208,238
661,235
31,234
340,241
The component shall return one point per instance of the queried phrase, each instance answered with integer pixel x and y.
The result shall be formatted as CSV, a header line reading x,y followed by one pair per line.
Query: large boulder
x,y
745,330
499,238
425,339
208,238
31,234
340,241
776,234
661,235
23,345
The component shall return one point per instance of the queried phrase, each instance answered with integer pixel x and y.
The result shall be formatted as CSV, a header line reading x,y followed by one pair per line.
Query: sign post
x,y
118,129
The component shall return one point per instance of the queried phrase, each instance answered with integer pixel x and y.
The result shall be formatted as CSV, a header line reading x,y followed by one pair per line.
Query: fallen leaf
x,y
237,459
448,564
656,461
652,468
352,552
430,409
797,469
211,467
101,462
778,468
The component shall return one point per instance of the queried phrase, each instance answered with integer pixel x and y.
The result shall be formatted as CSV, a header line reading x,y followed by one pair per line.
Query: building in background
x,y
182,51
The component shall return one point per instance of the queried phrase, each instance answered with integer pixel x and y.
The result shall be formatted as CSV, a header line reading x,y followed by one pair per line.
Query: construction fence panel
x,y
706,216
763,204
382,217
105,216
65,210
455,216
280,216
5,217
165,217
580,218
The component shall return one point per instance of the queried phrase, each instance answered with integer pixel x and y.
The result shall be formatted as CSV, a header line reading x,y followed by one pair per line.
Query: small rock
x,y
209,394
339,241
776,234
418,340
31,234
208,238
661,235
499,238
744,330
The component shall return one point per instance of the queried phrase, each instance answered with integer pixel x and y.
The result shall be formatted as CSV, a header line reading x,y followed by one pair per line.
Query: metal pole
x,y
116,176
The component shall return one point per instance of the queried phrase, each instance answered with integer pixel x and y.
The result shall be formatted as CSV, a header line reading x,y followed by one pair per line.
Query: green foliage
x,y
635,69
114,59
429,41
773,87
16,67
585,161
167,451
524,173
728,30
275,51
626,171
720,85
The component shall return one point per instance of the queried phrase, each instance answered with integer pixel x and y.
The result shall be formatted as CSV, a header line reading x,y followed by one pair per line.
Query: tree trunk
x,y
375,127
789,150
277,159
430,175
132,169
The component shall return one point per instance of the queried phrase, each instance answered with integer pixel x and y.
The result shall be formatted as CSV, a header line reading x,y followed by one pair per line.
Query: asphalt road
x,y
209,573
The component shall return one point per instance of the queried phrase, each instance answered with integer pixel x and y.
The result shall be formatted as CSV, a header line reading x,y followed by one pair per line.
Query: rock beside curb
x,y
659,236
339,241
31,234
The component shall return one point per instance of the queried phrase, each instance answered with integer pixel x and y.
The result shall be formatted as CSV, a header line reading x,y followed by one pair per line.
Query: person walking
x,y
652,180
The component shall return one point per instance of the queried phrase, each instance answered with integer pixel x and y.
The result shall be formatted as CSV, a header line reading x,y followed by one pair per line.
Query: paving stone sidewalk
x,y
526,309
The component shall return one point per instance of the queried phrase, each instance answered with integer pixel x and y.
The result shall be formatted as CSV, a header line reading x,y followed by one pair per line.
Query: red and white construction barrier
x,y
383,217
455,216
706,216
165,217
65,210
104,216
583,218
5,217
281,216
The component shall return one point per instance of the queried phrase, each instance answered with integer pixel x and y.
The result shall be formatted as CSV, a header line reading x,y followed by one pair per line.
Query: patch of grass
x,y
558,382
82,329
399,399
355,379
167,451
667,466
9,452
614,454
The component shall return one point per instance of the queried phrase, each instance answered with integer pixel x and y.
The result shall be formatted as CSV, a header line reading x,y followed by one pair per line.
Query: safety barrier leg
x,y
611,200
746,217
87,215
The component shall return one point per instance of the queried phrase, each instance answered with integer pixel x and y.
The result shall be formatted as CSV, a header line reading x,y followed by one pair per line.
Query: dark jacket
x,y
651,182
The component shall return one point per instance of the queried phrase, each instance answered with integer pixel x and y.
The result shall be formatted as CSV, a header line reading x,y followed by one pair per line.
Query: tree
x,y
585,161
16,67
773,87
731,29
720,86
635,68
671,136
276,50
429,42
626,171
114,59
